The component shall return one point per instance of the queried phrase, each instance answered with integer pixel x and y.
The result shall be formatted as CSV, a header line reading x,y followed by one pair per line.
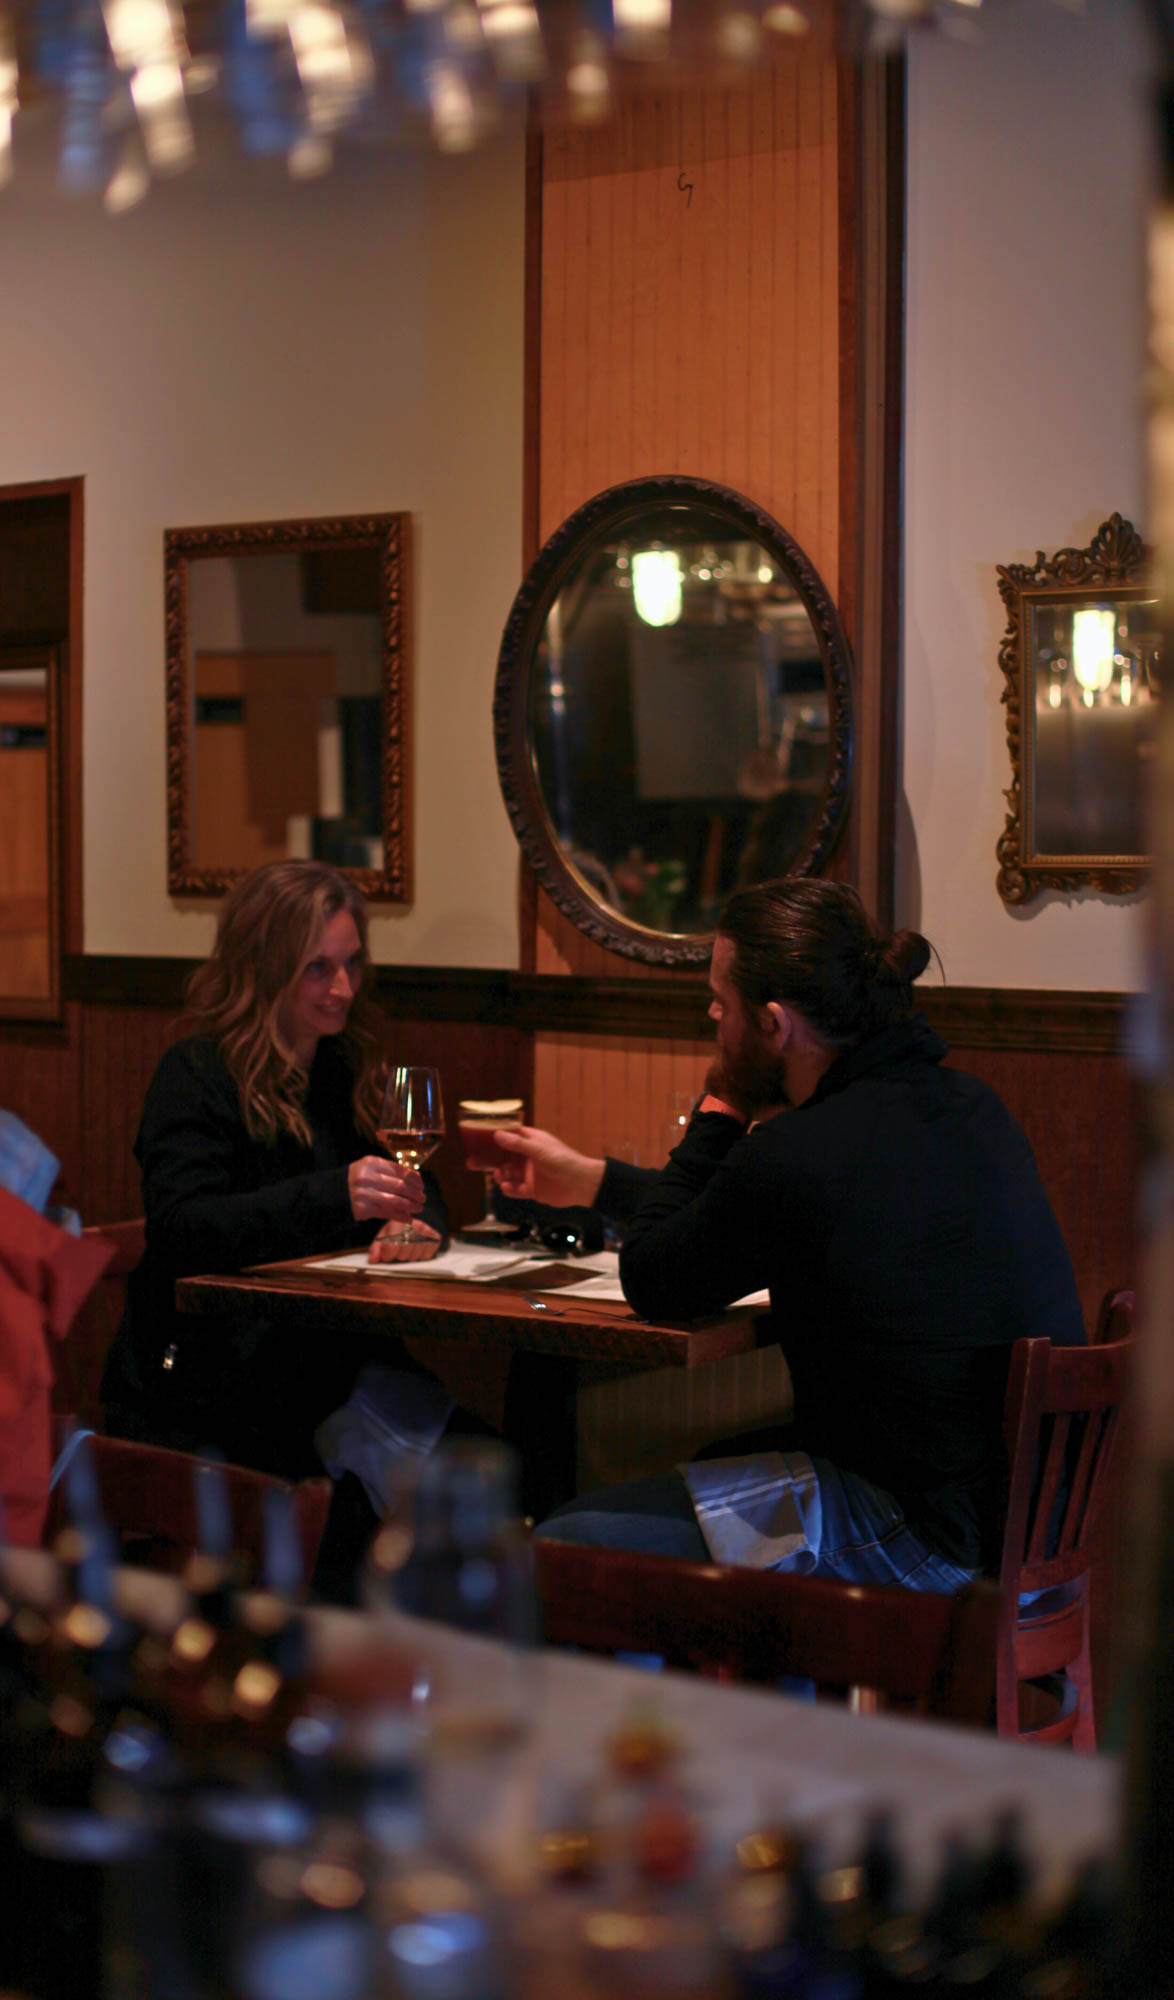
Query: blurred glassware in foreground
x,y
139,82
453,1552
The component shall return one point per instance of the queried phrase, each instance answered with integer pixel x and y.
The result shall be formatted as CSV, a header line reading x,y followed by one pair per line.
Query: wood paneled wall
x,y
690,299
81,1084
615,1094
81,1087
1078,1108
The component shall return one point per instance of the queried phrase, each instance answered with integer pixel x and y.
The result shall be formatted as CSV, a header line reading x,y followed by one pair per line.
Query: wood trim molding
x,y
1021,1017
532,342
72,767
879,275
670,1008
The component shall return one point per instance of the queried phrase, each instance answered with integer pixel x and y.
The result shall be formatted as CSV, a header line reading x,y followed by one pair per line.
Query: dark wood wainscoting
x,y
98,1074
1055,1058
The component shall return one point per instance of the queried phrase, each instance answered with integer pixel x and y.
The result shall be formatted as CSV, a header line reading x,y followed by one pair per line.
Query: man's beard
x,y
754,1077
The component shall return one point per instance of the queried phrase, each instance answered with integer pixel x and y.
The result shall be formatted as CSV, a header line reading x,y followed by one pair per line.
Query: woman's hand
x,y
400,1250
545,1169
378,1187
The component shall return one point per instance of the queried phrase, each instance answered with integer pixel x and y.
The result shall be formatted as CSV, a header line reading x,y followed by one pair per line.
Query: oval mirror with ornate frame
x,y
672,714
287,700
1081,658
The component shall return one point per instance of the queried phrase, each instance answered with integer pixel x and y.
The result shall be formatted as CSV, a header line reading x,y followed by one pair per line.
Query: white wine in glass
x,y
411,1127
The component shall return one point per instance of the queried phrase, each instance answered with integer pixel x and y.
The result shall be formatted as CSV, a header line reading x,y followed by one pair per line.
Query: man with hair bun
x,y
893,1208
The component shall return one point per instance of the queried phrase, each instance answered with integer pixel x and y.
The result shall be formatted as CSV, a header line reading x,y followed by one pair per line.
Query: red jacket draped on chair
x,y
46,1275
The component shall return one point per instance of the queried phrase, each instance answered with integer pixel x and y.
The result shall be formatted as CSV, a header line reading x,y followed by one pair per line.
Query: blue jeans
x,y
856,1532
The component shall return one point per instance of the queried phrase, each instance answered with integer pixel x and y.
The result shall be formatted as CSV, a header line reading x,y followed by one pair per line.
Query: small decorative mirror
x,y
672,714
1082,659
287,700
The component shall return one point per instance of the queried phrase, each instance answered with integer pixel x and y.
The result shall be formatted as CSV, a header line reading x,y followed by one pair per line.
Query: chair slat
x,y
1051,1473
1073,1534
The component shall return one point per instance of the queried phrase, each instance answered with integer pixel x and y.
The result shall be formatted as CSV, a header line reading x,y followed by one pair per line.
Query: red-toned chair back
x,y
933,1654
1061,1421
148,1495
81,1358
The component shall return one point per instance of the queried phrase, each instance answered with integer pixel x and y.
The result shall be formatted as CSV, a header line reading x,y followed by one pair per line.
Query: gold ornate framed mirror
x,y
1081,657
287,700
672,715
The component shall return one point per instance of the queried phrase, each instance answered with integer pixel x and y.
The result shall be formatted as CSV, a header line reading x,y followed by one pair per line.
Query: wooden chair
x,y
81,1358
932,1654
1060,1426
148,1491
148,1494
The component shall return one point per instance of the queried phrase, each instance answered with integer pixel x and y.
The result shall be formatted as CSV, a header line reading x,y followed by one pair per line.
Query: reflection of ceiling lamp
x,y
656,585
1093,646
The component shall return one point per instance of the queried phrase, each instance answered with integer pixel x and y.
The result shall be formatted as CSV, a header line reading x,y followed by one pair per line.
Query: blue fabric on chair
x,y
28,1169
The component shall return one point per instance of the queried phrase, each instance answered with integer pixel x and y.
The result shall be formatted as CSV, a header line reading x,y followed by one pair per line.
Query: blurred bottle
x,y
66,1677
452,1560
232,1682
455,1553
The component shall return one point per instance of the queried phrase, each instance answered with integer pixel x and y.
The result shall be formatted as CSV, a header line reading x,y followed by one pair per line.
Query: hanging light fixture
x,y
298,76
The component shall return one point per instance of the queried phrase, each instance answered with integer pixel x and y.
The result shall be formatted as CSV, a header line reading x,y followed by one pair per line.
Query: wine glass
x,y
680,1111
411,1127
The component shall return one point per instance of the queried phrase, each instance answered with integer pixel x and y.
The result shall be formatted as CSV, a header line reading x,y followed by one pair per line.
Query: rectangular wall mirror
x,y
1082,658
30,860
287,700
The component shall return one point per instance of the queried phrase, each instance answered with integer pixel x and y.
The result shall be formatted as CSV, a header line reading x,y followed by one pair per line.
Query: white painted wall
x,y
1028,180
246,350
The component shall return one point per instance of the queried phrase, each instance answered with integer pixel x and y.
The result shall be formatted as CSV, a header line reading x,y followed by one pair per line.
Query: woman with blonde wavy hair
x,y
257,1143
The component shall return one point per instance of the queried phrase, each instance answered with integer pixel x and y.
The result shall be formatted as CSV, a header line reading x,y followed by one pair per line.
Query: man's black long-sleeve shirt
x,y
899,1221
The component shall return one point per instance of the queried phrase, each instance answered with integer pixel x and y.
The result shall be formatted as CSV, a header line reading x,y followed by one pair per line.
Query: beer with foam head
x,y
480,1120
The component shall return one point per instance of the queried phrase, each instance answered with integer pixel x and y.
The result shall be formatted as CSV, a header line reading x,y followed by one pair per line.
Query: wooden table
x,y
557,1345
298,1294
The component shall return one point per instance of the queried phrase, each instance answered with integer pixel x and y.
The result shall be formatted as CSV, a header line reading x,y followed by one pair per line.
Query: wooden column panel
x,y
693,263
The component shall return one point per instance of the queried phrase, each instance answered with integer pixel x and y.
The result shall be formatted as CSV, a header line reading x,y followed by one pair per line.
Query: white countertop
x,y
748,1756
